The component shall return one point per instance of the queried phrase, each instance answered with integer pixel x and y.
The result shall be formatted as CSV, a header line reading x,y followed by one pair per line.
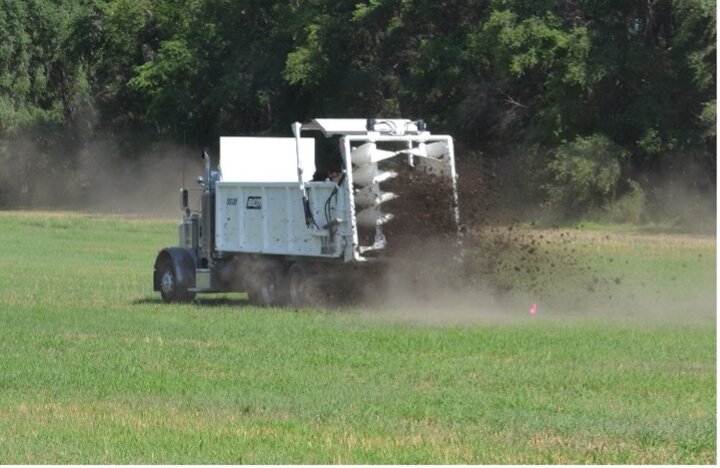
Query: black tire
x,y
269,286
301,289
169,289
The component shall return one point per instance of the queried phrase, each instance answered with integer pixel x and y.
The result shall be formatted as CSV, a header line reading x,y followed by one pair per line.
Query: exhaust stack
x,y
206,158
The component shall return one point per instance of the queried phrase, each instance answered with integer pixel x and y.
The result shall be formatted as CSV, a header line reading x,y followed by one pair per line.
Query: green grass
x,y
94,369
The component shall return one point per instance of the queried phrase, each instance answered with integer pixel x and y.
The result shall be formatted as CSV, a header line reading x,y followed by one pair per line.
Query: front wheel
x,y
170,290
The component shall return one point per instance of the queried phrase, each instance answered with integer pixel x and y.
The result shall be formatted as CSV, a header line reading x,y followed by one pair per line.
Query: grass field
x,y
94,369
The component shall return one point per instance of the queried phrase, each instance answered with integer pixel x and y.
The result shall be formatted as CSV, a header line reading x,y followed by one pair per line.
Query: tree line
x,y
589,97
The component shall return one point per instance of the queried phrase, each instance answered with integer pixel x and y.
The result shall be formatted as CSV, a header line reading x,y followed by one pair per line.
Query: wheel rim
x,y
267,291
167,283
295,291
297,287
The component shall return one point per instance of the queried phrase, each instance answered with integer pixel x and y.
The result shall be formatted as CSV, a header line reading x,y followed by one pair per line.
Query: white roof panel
x,y
263,159
359,126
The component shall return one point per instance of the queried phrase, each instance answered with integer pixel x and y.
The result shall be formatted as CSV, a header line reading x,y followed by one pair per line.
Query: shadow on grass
x,y
200,302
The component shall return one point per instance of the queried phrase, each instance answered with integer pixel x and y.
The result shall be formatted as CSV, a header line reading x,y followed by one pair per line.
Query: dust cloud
x,y
97,178
498,279
502,271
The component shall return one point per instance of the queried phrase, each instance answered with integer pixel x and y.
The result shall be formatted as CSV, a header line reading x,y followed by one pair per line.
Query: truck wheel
x,y
169,289
270,287
300,288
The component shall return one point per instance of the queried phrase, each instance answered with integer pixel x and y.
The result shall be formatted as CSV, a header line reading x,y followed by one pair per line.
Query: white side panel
x,y
276,237
261,159
268,218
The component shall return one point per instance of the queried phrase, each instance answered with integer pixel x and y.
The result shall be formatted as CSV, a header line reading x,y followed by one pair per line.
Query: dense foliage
x,y
550,75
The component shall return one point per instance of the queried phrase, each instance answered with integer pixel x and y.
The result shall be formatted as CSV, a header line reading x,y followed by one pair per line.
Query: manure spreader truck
x,y
274,215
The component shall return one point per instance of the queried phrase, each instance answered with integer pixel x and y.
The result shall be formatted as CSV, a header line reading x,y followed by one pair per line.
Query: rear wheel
x,y
170,291
269,286
301,289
